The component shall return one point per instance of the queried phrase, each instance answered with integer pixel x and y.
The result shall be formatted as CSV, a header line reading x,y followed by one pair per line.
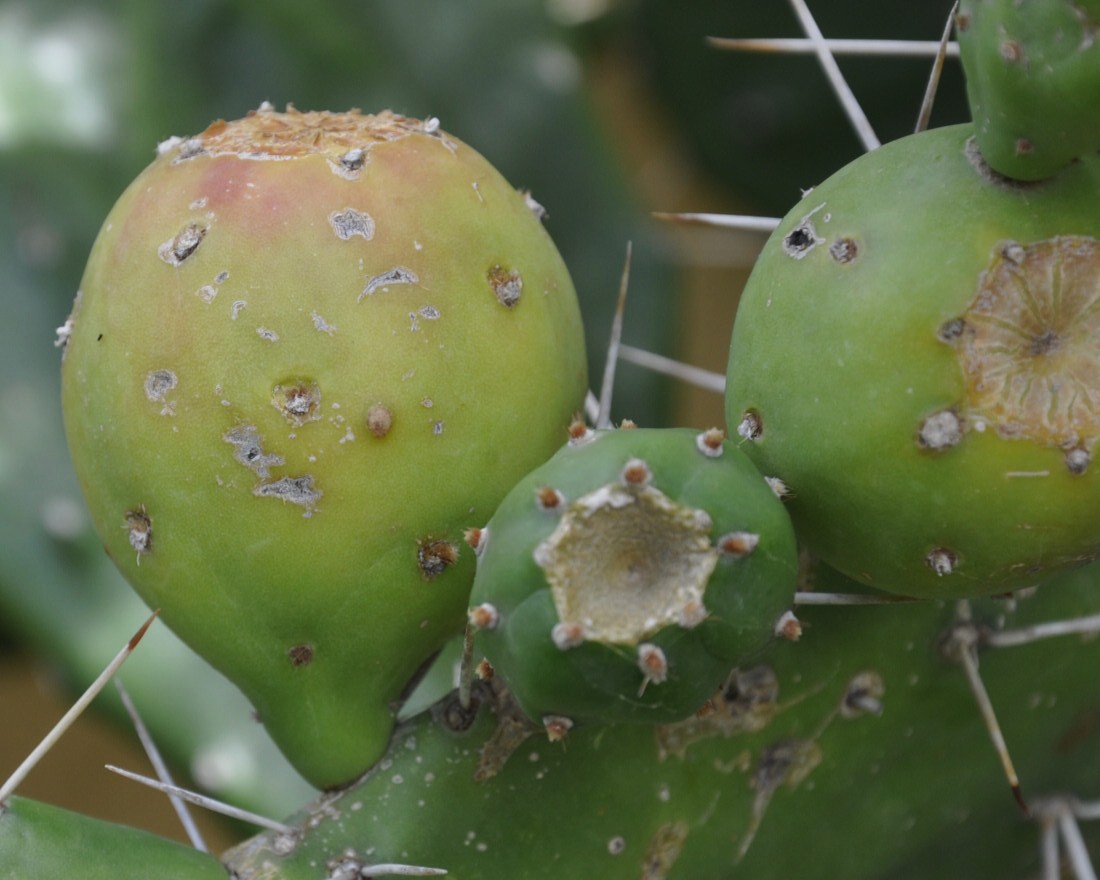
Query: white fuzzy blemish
x,y
427,403
64,332
269,335
322,325
788,627
566,635
940,431
1078,460
737,545
942,561
237,308
636,474
188,149
616,845
750,427
349,164
533,206
296,490
1013,475
157,385
182,245
207,293
692,614
396,275
249,451
428,313
484,616
506,284
580,434
709,442
556,727
652,663
349,223
140,532
778,487
437,428
701,520
169,144
431,125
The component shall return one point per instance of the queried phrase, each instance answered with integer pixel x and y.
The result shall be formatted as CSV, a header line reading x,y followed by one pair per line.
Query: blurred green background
x,y
607,110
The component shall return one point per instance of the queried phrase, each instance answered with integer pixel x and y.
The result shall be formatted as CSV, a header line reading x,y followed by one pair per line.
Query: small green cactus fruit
x,y
1033,81
623,579
295,370
917,357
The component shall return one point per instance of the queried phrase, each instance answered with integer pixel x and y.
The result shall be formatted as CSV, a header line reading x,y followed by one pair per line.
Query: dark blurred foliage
x,y
765,125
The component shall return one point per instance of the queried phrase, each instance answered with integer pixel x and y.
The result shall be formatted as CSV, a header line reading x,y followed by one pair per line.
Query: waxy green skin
x,y
39,840
919,787
842,361
601,682
1033,81
593,805
273,297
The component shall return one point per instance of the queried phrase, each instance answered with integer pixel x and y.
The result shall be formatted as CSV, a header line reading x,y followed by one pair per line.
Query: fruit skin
x,y
632,576
293,374
853,331
1033,82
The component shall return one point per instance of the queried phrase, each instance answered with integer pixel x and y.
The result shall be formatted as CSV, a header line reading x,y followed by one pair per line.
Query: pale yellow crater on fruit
x,y
625,562
1030,350
342,137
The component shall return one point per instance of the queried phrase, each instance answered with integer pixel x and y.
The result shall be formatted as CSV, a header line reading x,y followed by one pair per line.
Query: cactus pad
x,y
293,373
623,579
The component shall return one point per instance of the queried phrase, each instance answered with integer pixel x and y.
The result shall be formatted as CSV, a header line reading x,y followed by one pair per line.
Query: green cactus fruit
x,y
294,372
917,357
1033,81
623,579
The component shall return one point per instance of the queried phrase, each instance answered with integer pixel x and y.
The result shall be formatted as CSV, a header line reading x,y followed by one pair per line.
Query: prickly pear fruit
x,y
1033,81
917,357
623,579
294,373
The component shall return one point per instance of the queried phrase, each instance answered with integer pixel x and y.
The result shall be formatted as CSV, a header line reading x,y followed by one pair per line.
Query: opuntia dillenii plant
x,y
296,369
914,369
623,579
1033,82
915,356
